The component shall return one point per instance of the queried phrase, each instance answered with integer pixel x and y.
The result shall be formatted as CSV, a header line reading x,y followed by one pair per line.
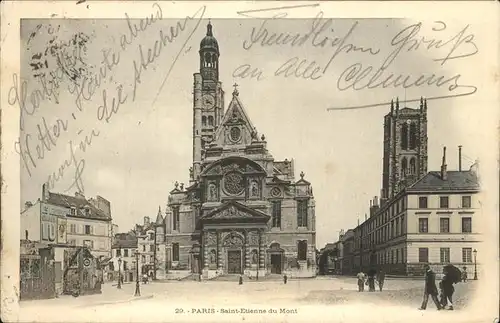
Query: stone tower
x,y
405,148
208,107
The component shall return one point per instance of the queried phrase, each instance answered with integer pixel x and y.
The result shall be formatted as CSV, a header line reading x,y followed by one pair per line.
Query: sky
x,y
137,155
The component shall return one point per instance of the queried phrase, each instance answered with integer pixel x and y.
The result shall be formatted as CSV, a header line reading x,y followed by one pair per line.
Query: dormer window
x,y
72,211
87,211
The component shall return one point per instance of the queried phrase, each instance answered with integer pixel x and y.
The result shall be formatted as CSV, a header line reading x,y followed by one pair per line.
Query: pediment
x,y
236,127
234,211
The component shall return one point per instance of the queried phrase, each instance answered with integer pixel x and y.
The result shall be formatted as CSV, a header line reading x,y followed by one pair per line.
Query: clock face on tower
x,y
208,102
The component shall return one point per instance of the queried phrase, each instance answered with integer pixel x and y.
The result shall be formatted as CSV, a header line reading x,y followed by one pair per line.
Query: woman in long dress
x,y
447,290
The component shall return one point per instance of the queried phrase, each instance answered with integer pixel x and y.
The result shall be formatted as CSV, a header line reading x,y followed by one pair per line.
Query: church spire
x,y
209,55
209,29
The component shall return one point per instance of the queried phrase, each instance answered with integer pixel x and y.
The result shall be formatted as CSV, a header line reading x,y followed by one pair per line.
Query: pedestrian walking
x,y
381,278
430,288
285,278
447,289
371,280
464,274
361,281
241,280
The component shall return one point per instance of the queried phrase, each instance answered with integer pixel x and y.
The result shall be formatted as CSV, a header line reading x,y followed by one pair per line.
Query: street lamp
x,y
137,285
119,273
475,264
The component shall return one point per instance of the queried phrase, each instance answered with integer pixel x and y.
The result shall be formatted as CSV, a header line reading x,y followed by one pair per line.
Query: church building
x,y
243,212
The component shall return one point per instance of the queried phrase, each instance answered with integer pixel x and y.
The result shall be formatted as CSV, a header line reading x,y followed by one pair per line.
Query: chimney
x,y
460,158
366,218
45,192
146,220
444,174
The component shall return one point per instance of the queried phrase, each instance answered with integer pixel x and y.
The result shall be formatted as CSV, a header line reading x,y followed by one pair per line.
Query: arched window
x,y
404,136
404,167
210,120
413,136
203,121
214,60
207,60
413,166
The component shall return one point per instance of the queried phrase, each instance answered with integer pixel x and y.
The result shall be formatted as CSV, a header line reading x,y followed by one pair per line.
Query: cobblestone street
x,y
299,300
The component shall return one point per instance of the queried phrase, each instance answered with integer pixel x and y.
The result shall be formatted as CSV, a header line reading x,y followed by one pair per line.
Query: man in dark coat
x,y
371,281
447,288
381,278
430,288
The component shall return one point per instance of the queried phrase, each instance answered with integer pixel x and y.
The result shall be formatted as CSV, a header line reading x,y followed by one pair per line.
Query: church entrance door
x,y
276,264
234,261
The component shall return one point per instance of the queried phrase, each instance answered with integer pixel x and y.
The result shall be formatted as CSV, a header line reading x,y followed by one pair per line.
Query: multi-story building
x,y
123,262
146,247
346,259
243,211
66,220
423,217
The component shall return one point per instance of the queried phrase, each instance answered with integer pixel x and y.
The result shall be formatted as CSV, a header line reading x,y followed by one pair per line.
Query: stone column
x,y
246,250
219,250
262,263
205,249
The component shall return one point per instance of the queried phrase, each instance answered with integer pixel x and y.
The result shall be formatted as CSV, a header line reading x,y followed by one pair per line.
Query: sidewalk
x,y
110,295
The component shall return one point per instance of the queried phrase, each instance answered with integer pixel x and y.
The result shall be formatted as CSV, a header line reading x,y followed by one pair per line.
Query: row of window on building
x,y
396,256
444,202
444,225
125,253
444,255
399,206
390,230
86,211
89,244
86,229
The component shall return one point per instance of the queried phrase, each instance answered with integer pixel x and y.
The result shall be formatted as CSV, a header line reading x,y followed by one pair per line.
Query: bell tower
x,y
208,107
405,148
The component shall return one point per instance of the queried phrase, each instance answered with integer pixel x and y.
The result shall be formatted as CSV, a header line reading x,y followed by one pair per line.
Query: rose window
x,y
234,183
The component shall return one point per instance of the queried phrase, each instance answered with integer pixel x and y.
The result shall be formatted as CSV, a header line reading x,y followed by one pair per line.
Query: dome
x,y
209,41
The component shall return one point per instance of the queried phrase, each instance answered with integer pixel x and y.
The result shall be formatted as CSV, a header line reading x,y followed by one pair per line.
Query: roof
x,y
455,181
124,240
78,202
209,40
141,229
235,113
118,244
159,217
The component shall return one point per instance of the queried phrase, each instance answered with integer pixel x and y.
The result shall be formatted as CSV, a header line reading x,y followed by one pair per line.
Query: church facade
x,y
243,212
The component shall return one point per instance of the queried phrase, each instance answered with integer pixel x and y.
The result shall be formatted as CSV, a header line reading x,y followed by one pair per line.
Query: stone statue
x,y
212,257
254,257
191,172
212,192
255,189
